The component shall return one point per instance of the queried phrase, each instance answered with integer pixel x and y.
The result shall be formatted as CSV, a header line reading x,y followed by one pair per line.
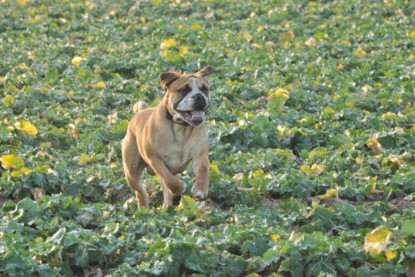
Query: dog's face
x,y
187,96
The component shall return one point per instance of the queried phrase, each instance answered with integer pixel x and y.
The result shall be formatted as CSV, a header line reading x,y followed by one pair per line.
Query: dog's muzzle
x,y
196,113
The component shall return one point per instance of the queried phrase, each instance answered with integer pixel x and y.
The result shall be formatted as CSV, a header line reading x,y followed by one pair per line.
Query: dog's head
x,y
187,96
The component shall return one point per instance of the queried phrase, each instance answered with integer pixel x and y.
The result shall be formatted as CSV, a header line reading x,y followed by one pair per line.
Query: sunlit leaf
x,y
399,160
287,36
38,193
186,202
284,131
11,161
306,169
197,27
20,172
377,240
184,51
374,144
26,128
8,101
257,173
330,193
277,99
318,168
23,66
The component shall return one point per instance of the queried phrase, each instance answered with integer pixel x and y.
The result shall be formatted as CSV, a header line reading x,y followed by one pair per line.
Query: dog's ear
x,y
167,77
206,71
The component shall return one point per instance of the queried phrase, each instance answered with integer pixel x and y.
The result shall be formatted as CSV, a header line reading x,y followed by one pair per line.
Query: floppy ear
x,y
206,71
167,77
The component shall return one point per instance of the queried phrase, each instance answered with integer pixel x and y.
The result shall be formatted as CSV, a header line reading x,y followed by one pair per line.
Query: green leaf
x,y
71,238
82,255
8,101
271,256
408,227
58,236
52,75
120,128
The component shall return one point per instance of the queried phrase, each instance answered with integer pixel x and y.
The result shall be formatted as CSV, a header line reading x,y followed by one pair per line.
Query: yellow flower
x,y
310,42
23,66
340,67
99,85
388,115
391,255
184,51
367,88
257,173
76,60
275,238
197,27
360,53
318,168
168,43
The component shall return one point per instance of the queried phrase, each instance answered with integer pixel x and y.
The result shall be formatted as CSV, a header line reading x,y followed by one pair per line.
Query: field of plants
x,y
311,128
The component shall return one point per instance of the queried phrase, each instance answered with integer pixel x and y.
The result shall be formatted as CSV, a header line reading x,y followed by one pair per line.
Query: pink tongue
x,y
197,115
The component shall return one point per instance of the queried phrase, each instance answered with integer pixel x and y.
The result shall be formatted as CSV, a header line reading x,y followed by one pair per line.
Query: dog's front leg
x,y
171,182
201,184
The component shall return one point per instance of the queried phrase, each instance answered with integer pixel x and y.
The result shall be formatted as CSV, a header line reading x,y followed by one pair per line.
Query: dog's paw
x,y
199,193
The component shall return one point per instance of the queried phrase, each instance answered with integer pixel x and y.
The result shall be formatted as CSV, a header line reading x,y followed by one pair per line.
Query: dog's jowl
x,y
166,138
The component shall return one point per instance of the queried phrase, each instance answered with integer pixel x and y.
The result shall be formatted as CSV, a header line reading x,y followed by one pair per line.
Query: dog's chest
x,y
178,153
176,156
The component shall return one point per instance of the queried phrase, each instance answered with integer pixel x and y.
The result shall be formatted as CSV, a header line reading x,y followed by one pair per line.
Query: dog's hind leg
x,y
134,166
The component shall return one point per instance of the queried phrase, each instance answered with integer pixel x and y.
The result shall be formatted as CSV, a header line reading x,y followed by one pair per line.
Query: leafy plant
x,y
311,131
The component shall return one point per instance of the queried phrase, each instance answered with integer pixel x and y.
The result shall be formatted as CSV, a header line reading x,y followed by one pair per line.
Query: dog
x,y
166,138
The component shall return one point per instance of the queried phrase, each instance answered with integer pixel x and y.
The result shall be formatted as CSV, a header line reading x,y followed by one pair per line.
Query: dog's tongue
x,y
198,115
193,117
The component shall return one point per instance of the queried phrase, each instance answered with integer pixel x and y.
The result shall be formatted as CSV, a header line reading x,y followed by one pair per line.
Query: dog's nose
x,y
198,97
199,101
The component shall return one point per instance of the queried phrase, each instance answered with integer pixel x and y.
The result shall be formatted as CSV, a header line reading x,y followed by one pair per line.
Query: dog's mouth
x,y
193,118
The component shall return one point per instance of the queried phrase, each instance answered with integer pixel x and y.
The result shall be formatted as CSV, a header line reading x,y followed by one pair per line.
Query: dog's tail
x,y
139,106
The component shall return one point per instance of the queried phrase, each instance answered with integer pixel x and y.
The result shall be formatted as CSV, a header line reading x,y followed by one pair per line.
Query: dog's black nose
x,y
200,102
198,97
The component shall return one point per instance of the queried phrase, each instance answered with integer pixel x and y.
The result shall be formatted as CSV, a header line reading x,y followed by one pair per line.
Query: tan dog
x,y
165,139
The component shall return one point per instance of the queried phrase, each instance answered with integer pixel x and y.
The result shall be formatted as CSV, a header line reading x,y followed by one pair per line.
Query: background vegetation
x,y
311,127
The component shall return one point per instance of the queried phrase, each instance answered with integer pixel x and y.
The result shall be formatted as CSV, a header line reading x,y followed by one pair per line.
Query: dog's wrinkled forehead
x,y
189,81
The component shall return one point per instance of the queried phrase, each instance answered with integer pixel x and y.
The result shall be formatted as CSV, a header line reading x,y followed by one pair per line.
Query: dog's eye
x,y
185,90
204,89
